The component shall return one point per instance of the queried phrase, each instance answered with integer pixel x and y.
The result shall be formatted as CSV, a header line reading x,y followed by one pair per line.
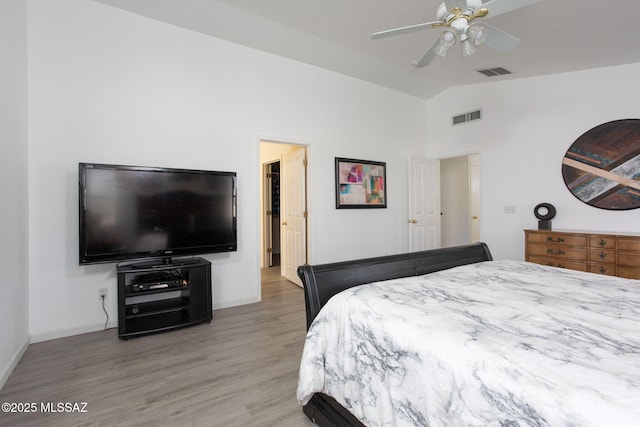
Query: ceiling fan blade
x,y
462,4
499,40
428,55
404,30
498,7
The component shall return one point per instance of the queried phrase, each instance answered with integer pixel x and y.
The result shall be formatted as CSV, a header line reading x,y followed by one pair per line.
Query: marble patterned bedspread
x,y
499,343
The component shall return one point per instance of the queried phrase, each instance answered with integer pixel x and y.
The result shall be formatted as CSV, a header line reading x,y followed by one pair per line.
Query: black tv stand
x,y
156,297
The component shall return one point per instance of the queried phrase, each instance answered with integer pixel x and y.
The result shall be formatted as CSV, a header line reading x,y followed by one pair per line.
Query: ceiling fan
x,y
457,16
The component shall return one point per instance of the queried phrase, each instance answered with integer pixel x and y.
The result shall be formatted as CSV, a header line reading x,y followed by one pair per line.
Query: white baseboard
x,y
8,369
61,333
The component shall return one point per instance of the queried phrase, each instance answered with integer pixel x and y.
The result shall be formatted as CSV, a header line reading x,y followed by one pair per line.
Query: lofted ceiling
x,y
557,36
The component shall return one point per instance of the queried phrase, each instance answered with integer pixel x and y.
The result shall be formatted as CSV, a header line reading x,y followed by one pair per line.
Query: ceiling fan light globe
x,y
441,51
468,48
477,34
447,39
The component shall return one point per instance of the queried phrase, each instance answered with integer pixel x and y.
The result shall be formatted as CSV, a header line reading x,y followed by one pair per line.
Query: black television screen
x,y
130,212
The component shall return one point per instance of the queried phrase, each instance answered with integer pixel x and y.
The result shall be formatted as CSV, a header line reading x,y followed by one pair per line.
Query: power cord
x,y
105,312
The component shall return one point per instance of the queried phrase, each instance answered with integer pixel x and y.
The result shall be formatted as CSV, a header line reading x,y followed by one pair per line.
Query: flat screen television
x,y
132,212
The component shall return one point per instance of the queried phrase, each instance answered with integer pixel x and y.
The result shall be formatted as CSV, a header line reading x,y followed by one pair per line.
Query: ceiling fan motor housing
x,y
460,24
448,16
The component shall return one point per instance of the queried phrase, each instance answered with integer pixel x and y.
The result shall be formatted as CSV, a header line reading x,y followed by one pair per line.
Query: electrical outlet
x,y
102,293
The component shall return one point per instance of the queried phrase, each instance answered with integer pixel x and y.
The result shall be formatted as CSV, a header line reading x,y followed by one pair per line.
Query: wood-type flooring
x,y
239,370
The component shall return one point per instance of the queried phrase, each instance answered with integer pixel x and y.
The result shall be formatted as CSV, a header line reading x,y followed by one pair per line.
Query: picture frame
x,y
360,184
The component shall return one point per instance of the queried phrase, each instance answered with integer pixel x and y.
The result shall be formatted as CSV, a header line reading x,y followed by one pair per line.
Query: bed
x,y
449,337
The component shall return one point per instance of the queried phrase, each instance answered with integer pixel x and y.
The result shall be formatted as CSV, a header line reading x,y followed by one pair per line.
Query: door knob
x,y
474,217
284,222
413,221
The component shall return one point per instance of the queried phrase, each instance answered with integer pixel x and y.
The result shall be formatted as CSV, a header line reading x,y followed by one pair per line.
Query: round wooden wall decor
x,y
602,167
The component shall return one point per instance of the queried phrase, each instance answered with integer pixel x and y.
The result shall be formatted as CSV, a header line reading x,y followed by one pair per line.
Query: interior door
x,y
293,213
424,203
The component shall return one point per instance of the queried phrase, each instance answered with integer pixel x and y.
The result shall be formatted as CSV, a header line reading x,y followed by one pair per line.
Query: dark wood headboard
x,y
323,281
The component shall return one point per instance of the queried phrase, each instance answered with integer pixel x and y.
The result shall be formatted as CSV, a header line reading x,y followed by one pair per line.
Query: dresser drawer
x,y
606,256
558,251
630,259
564,239
607,269
555,262
629,273
602,241
628,244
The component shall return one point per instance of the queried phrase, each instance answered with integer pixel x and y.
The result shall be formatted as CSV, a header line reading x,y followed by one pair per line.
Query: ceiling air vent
x,y
467,117
498,71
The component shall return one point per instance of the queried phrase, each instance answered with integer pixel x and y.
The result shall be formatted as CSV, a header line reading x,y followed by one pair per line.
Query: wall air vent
x,y
467,117
498,71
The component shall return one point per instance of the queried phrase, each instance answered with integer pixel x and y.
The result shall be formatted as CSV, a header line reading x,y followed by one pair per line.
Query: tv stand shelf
x,y
161,297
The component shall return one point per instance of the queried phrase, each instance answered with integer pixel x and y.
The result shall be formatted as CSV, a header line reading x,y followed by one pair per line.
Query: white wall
x,y
14,307
110,86
527,126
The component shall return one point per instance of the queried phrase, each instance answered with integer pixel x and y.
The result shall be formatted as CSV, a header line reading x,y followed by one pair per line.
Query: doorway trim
x,y
472,201
310,201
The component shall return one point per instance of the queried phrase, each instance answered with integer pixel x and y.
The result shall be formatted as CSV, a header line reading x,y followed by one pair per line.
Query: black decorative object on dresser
x,y
159,297
545,212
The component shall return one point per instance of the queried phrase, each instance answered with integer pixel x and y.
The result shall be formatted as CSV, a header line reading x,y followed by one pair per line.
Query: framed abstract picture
x,y
360,184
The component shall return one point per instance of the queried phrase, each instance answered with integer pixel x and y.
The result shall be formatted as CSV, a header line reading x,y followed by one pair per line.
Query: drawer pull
x,y
552,252
602,242
602,255
603,270
552,240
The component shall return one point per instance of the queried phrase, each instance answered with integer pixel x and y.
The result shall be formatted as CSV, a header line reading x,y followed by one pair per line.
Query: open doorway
x,y
284,213
460,200
272,214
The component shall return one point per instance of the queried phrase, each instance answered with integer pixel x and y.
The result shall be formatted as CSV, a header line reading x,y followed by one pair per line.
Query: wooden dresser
x,y
611,254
